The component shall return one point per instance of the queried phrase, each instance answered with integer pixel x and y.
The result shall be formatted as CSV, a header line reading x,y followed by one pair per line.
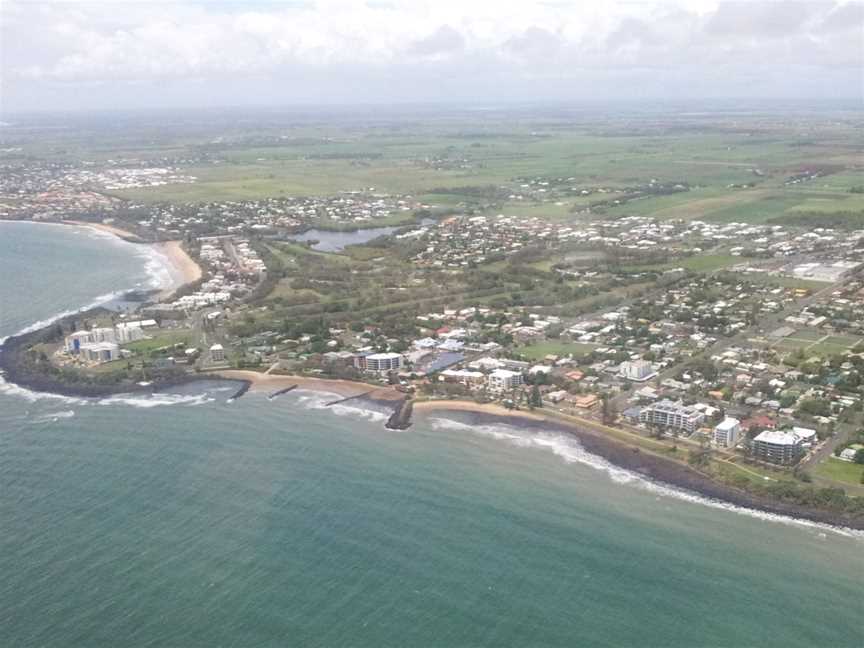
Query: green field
x,y
839,470
160,340
696,263
540,350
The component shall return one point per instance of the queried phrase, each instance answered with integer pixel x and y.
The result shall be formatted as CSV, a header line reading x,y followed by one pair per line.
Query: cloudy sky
x,y
117,53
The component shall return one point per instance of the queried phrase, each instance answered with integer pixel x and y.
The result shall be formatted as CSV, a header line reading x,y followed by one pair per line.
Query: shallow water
x,y
183,520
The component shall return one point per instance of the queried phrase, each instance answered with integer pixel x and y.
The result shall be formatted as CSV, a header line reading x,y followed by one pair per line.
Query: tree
x,y
859,456
535,400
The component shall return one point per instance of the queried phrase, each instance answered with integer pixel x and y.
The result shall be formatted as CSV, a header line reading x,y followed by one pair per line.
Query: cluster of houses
x,y
272,215
234,268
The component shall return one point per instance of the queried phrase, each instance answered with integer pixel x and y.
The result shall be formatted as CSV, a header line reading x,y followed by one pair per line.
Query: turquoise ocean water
x,y
182,520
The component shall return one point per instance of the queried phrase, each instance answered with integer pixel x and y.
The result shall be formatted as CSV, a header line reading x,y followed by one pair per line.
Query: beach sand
x,y
110,229
186,268
471,406
346,388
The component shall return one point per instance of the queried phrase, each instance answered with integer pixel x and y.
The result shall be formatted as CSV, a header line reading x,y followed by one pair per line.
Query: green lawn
x,y
162,339
841,471
539,350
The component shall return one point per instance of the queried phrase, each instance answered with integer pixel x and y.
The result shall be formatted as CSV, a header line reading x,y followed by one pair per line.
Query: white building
x,y
382,362
502,380
672,415
777,447
727,431
217,353
637,371
99,352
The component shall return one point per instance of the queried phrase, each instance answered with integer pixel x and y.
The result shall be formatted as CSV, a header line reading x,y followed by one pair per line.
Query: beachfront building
x,y
378,362
777,447
726,432
99,352
637,371
75,340
217,353
502,380
671,415
462,376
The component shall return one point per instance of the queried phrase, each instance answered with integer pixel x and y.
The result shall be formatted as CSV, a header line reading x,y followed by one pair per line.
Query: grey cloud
x,y
443,41
534,42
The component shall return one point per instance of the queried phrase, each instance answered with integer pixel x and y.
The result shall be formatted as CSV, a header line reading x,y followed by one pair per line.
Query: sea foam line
x,y
317,400
571,451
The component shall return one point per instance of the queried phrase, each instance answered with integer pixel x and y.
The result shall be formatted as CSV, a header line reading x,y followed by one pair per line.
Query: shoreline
x,y
654,468
261,382
181,267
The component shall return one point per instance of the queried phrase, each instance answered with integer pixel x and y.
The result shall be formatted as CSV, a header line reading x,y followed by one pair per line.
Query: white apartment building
x,y
99,352
777,447
726,432
672,415
637,371
381,362
502,380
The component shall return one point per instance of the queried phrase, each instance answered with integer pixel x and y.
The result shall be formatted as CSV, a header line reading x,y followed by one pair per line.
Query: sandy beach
x,y
273,382
471,406
110,229
185,269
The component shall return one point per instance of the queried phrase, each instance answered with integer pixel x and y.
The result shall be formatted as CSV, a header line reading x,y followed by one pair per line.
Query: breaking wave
x,y
11,389
51,417
156,400
318,401
571,451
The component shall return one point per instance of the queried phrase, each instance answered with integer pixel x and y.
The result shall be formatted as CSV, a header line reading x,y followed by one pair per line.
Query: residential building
x,y
99,352
672,415
726,432
777,447
381,362
637,371
217,353
502,380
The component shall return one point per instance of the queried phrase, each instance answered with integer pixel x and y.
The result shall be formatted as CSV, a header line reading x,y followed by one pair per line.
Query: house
x,y
587,402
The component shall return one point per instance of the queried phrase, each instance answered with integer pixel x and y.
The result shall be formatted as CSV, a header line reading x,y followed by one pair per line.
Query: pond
x,y
330,241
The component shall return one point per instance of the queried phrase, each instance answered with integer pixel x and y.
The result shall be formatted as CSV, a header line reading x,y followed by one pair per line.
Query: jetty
x,y
243,389
279,392
348,398
400,419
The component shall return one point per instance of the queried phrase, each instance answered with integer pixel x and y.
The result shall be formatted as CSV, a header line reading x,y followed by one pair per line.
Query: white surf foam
x,y
571,451
11,389
101,299
52,417
318,401
156,400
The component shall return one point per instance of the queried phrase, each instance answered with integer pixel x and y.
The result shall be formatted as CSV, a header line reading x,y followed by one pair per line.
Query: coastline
x,y
654,468
259,382
188,271
182,268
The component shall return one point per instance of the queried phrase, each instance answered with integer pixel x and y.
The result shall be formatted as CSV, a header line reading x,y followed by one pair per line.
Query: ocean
x,y
183,520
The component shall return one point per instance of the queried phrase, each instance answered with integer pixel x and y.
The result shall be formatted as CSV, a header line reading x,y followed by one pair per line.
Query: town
x,y
732,342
